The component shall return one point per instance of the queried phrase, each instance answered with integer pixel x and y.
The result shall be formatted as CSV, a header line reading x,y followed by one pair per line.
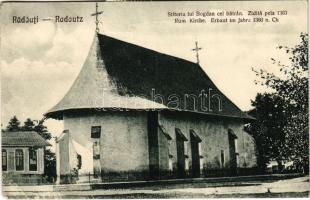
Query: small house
x,y
22,157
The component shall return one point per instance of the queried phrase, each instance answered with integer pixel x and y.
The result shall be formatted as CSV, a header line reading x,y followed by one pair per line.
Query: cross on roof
x,y
197,49
96,14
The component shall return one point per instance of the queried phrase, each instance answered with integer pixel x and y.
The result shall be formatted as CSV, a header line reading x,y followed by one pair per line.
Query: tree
x,y
42,130
291,85
14,124
267,130
28,125
49,157
50,165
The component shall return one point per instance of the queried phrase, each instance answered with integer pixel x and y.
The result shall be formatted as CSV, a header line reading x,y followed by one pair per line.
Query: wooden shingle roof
x,y
118,74
23,138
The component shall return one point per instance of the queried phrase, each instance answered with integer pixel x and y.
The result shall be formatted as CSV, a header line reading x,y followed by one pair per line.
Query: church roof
x,y
23,138
118,74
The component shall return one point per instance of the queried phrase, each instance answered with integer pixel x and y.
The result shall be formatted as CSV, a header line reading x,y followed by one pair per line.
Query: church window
x,y
170,164
79,161
33,160
201,163
186,163
186,155
4,160
222,158
169,147
199,148
95,131
200,156
236,145
19,160
185,148
170,156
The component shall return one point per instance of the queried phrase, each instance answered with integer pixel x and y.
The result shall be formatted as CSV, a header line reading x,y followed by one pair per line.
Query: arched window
x,y
4,160
19,160
33,160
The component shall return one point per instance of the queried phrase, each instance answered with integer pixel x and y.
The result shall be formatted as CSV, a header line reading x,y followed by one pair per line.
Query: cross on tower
x,y
197,49
96,14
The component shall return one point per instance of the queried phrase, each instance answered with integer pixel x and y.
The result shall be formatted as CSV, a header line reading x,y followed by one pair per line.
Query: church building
x,y
137,114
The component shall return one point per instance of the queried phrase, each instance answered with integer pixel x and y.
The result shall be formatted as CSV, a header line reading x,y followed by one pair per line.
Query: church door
x,y
195,156
152,126
232,151
180,154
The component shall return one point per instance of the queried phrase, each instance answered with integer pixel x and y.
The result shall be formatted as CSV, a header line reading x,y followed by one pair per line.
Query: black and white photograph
x,y
155,100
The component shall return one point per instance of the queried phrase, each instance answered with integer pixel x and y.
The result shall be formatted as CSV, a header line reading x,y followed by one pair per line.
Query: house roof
x,y
118,74
23,138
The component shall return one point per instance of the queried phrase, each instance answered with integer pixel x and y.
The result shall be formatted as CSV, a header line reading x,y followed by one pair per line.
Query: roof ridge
x,y
149,49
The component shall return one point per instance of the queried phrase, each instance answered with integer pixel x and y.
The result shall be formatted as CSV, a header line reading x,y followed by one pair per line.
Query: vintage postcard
x,y
204,99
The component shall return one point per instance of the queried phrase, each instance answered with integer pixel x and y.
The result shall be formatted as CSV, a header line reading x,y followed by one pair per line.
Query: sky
x,y
39,62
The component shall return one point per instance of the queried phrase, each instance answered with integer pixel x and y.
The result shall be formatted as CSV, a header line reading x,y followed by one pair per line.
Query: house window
x,y
19,160
95,131
33,160
4,160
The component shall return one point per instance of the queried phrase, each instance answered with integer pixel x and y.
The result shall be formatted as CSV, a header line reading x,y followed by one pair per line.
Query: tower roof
x,y
117,74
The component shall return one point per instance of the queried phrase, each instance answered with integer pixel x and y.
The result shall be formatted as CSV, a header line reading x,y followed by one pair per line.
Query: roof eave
x,y
59,113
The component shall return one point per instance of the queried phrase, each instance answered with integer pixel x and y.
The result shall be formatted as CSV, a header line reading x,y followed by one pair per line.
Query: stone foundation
x,y
22,179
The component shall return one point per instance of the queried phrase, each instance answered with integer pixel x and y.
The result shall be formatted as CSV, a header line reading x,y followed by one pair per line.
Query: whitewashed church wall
x,y
64,155
214,138
123,142
214,135
247,150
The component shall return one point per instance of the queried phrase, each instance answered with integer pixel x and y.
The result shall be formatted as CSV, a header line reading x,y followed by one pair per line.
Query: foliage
x,y
291,86
50,165
42,130
28,125
14,124
267,130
